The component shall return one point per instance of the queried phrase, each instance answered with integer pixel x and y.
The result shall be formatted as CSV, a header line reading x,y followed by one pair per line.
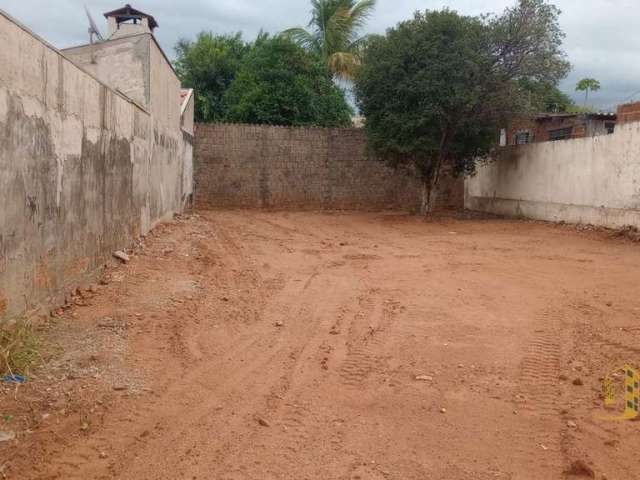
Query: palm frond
x,y
338,31
334,32
361,12
302,37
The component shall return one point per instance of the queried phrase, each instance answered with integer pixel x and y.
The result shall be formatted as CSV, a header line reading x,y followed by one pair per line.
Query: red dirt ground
x,y
254,345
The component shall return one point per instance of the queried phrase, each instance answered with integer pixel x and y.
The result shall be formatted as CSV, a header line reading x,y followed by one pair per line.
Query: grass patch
x,y
19,348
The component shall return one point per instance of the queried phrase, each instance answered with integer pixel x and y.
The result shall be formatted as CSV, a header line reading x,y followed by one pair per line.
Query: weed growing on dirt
x,y
19,347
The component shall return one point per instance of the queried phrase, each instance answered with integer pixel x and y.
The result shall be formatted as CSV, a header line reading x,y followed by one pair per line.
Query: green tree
x,y
209,65
587,85
279,83
435,89
334,33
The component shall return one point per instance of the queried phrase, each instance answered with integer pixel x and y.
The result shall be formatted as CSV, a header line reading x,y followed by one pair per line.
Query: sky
x,y
602,36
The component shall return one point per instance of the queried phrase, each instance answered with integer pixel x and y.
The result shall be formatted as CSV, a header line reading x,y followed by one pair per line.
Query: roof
x,y
128,12
596,116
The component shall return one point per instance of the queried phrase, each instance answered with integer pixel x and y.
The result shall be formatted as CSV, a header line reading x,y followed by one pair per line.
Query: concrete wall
x,y
136,66
164,89
188,112
593,180
282,167
122,64
83,170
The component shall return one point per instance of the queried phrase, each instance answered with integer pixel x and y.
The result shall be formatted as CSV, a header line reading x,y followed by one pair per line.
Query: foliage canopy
x,y
280,83
271,80
436,89
209,65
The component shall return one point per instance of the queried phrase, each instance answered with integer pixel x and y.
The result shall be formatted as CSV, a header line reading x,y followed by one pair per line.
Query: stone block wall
x,y
301,168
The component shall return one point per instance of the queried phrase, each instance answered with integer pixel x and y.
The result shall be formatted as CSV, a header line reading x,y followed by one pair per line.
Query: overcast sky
x,y
603,36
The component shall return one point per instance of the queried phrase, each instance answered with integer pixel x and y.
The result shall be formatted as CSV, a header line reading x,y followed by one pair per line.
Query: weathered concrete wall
x,y
164,90
123,64
592,180
83,171
282,167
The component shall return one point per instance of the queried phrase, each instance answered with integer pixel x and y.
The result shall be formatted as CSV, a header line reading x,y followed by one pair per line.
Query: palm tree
x,y
586,85
334,33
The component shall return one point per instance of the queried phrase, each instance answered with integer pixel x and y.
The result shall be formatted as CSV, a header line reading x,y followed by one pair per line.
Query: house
x,y
628,112
548,127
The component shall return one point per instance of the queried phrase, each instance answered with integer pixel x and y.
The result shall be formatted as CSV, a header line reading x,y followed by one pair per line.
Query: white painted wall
x,y
593,180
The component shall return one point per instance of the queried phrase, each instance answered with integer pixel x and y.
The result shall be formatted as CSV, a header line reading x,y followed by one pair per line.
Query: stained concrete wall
x,y
123,64
164,89
83,171
593,180
309,168
136,66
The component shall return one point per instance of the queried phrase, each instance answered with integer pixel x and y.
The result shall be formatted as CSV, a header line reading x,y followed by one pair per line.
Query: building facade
x,y
548,127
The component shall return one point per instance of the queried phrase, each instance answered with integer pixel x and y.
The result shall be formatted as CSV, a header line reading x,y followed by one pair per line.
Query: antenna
x,y
93,29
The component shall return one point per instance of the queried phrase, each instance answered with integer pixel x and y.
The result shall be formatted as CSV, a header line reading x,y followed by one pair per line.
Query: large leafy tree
x,y
435,89
334,33
209,65
280,83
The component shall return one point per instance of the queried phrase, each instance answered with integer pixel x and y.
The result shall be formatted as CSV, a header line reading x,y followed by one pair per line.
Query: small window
x,y
610,127
560,134
523,137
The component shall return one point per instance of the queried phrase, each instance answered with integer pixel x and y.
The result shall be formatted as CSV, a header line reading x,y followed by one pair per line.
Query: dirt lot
x,y
254,345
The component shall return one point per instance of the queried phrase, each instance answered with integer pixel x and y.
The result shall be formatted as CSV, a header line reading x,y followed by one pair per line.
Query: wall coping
x,y
265,125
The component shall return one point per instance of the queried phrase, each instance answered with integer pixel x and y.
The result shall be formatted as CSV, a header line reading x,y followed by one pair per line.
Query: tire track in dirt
x,y
291,416
538,443
294,421
302,423
359,360
364,351
299,307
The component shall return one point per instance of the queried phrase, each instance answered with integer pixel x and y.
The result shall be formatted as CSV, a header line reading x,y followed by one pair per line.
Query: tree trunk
x,y
430,185
430,190
424,201
430,193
